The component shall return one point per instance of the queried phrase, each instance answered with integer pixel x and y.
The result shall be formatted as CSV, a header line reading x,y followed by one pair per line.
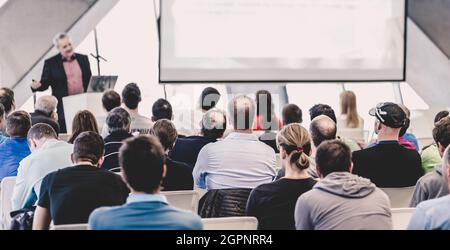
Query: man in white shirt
x,y
239,161
48,155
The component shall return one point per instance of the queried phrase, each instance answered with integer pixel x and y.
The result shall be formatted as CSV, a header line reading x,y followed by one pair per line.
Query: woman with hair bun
x,y
274,203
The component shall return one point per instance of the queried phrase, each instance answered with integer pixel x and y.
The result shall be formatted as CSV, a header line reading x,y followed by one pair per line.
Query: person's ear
x,y
153,119
100,161
441,149
318,172
283,153
72,158
350,168
164,171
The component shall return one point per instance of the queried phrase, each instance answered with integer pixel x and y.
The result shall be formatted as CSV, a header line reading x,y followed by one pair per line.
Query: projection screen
x,y
282,40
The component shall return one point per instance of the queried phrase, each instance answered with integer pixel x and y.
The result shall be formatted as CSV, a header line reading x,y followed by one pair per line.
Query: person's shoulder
x,y
53,59
186,219
103,214
435,206
178,164
430,177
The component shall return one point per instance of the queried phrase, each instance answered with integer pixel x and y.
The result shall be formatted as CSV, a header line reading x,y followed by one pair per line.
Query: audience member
x,y
266,120
45,112
131,97
350,124
110,100
15,148
341,200
118,123
430,154
209,99
292,114
187,149
162,109
432,185
433,214
179,175
274,203
407,139
142,163
388,164
7,100
68,196
84,121
48,155
239,161
322,109
2,124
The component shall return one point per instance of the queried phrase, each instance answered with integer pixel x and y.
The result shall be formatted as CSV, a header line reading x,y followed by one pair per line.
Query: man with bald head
x,y
45,111
239,161
433,214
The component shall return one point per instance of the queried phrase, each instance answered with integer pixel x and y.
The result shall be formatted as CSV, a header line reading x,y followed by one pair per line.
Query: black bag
x,y
22,219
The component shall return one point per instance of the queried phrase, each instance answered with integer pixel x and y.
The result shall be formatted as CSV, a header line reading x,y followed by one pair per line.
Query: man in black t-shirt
x,y
388,164
68,196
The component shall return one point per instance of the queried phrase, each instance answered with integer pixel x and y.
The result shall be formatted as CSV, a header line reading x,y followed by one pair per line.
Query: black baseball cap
x,y
390,114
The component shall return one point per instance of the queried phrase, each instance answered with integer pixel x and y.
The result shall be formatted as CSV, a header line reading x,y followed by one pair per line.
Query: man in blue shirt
x,y
143,168
15,148
433,214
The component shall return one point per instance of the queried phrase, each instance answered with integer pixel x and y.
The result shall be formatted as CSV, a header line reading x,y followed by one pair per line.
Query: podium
x,y
86,101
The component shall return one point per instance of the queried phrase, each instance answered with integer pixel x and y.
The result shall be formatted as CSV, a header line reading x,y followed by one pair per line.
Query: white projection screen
x,y
282,40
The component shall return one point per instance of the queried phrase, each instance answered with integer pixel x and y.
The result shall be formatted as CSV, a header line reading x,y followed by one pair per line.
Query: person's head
x,y
162,109
142,160
292,114
84,121
209,98
7,100
390,119
117,120
2,119
295,146
131,96
242,112
166,132
407,120
18,124
111,100
333,156
214,124
441,134
39,134
64,45
441,115
322,129
47,105
348,108
88,147
322,109
446,166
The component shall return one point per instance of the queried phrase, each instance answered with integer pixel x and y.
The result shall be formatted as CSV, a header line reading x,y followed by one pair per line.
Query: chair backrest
x,y
352,133
230,223
6,192
187,200
400,197
73,227
401,217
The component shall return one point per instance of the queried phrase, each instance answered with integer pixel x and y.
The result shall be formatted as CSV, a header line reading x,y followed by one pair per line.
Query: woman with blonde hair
x,y
274,203
84,121
350,124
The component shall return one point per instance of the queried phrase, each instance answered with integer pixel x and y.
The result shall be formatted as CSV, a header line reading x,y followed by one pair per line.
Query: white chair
x,y
6,191
230,223
187,200
73,227
401,217
400,197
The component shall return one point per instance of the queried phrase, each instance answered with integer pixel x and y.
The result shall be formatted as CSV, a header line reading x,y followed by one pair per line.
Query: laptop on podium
x,y
100,84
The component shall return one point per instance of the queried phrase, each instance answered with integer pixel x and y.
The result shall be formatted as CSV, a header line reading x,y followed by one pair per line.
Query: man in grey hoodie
x,y
341,200
432,185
